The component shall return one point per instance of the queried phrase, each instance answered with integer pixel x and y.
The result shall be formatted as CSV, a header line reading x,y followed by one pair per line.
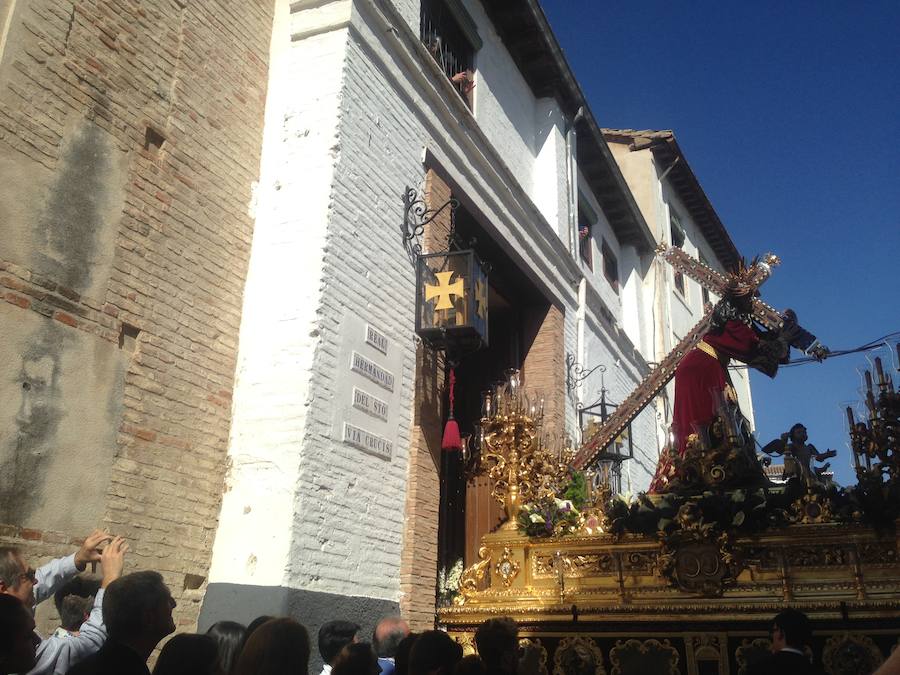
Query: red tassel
x,y
451,440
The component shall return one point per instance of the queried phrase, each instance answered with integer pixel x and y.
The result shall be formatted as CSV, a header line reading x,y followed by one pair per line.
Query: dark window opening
x,y
585,228
676,231
153,140
704,292
450,36
610,266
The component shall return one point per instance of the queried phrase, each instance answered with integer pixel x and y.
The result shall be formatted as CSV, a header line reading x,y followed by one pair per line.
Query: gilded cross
x,y
481,300
444,290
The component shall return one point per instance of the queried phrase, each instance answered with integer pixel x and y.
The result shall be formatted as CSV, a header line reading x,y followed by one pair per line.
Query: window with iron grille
x,y
676,231
450,36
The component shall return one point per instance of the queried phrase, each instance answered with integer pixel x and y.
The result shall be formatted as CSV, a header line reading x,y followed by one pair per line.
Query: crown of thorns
x,y
745,279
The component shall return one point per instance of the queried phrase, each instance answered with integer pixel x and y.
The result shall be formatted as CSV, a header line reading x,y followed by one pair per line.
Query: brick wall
x,y
171,95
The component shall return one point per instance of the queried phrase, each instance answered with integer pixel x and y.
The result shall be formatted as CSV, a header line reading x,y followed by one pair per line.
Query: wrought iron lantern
x,y
452,300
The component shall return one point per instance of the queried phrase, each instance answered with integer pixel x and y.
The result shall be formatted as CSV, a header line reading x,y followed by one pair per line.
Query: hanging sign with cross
x,y
452,300
660,376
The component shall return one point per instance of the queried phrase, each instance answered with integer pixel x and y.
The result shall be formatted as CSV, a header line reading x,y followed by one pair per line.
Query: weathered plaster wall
x,y
129,143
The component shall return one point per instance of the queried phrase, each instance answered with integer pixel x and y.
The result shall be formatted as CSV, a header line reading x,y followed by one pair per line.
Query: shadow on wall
x,y
60,388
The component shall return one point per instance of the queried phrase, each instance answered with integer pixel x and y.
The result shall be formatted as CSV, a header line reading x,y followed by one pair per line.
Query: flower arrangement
x,y
448,583
556,516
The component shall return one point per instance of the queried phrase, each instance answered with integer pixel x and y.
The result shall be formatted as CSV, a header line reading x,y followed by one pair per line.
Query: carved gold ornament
x,y
813,507
578,654
507,568
851,653
533,656
473,576
647,656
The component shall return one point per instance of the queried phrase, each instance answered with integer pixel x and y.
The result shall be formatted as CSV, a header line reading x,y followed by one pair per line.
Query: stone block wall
x,y
130,139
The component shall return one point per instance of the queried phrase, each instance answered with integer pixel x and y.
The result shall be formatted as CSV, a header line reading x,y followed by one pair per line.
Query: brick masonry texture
x,y
194,74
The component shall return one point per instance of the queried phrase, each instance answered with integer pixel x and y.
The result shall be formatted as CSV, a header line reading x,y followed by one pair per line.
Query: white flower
x,y
536,518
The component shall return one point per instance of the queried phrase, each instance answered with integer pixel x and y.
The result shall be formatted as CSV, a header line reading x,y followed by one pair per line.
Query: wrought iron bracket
x,y
416,215
576,373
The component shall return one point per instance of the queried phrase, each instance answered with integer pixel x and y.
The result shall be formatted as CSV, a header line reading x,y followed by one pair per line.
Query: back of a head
x,y
434,652
497,642
334,636
357,658
470,665
795,626
10,566
73,610
229,637
277,647
187,654
401,657
388,634
128,599
83,587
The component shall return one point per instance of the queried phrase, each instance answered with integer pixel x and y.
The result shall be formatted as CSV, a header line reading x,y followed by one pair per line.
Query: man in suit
x,y
791,632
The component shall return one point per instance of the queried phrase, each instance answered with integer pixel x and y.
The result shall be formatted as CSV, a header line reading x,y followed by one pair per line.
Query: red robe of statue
x,y
700,379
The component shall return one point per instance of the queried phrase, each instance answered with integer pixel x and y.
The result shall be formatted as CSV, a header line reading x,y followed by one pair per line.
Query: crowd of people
x,y
112,627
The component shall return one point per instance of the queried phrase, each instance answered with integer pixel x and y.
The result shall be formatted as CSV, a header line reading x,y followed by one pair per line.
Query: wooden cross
x,y
660,376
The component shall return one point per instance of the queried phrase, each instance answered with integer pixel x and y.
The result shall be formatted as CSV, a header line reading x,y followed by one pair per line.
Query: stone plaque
x,y
377,339
372,370
366,441
363,400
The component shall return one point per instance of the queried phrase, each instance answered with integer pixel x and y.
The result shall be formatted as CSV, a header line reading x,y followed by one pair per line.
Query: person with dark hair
x,y
333,637
497,641
188,654
434,653
17,638
229,637
137,611
357,658
253,625
401,657
82,632
277,647
73,612
82,587
385,639
790,632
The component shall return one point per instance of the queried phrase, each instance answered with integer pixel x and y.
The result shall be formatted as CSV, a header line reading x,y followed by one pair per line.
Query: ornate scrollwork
x,y
578,654
507,568
533,649
648,656
812,507
473,576
751,651
850,653
417,214
698,558
574,566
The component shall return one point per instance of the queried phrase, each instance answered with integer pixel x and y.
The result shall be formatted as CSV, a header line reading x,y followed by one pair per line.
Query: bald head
x,y
388,634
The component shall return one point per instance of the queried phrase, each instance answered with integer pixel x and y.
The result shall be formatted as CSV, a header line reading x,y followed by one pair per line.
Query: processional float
x,y
686,580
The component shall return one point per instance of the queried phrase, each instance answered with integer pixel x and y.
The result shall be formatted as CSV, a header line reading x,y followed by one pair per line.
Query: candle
x,y
868,381
850,418
880,371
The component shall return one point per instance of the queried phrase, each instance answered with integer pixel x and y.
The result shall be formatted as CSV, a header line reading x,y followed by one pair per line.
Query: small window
x,y
704,291
450,36
585,230
610,266
676,232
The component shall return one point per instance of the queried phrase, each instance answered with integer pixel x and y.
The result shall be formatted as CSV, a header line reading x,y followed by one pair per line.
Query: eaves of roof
x,y
526,34
682,178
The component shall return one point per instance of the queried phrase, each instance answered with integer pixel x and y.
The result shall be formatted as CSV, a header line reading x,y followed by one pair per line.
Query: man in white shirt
x,y
58,653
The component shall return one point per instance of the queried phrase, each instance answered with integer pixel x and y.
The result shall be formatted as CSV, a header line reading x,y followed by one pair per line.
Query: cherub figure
x,y
799,456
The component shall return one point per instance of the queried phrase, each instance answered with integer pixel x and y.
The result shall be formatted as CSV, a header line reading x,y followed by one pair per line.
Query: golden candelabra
x,y
512,448
875,441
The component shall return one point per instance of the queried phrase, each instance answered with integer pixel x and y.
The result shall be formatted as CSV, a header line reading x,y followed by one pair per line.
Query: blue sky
x,y
789,114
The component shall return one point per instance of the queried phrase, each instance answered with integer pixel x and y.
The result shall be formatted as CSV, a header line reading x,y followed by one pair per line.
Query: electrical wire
x,y
802,361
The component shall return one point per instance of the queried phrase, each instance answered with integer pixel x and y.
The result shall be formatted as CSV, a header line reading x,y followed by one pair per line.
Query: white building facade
x,y
334,488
